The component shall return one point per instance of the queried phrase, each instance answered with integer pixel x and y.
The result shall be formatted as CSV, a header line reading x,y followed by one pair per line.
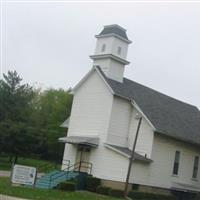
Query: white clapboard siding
x,y
108,164
91,108
163,155
69,154
159,172
90,113
123,125
145,137
119,122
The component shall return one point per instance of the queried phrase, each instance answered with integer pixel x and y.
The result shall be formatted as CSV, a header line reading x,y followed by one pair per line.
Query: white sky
x,y
50,43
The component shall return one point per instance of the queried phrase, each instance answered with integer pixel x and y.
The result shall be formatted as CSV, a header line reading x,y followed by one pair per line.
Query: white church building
x,y
104,120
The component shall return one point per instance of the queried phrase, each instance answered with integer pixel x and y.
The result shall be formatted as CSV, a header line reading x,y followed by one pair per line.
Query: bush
x,y
72,180
150,196
135,186
92,183
66,186
103,190
116,193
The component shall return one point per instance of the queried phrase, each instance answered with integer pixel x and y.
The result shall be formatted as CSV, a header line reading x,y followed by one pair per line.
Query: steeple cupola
x,y
111,51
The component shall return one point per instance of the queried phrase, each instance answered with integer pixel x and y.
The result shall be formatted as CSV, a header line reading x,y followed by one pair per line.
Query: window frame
x,y
103,48
195,167
176,164
119,50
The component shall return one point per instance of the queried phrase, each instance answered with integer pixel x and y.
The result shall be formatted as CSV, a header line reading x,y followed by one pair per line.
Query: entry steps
x,y
53,178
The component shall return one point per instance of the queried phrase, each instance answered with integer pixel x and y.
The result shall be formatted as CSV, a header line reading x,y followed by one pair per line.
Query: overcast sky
x,y
50,43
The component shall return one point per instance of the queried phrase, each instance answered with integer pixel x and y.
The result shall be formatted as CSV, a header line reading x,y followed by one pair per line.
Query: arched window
x,y
103,48
119,50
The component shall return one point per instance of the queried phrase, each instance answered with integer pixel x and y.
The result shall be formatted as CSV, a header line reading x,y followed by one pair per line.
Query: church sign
x,y
23,175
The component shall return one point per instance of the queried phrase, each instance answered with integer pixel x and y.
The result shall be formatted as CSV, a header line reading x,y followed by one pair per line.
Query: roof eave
x,y
127,156
94,68
111,56
177,138
133,102
114,35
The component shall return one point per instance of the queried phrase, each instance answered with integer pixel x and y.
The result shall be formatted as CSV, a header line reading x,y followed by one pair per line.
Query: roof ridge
x,y
173,98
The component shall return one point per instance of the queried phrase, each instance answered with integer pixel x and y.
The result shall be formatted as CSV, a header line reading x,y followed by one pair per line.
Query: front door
x,y
83,158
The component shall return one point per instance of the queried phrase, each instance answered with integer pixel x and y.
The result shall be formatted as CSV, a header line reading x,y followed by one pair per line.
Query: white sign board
x,y
23,175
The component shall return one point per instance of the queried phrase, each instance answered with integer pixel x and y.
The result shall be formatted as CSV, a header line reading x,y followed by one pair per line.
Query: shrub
x,y
73,180
103,190
135,187
116,193
92,183
66,186
150,196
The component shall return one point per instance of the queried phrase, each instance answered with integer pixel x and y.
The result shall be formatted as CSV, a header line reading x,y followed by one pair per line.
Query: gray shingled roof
x,y
128,152
168,115
114,29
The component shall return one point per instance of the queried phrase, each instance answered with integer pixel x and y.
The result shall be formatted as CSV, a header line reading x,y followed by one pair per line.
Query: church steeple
x,y
111,51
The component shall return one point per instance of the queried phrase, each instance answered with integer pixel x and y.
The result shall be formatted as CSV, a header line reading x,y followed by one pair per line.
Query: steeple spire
x,y
111,51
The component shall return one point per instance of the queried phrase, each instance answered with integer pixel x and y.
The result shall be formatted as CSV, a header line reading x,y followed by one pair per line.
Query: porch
x,y
83,147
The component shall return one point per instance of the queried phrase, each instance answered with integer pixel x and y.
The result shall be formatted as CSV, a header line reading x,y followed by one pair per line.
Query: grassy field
x,y
40,194
41,165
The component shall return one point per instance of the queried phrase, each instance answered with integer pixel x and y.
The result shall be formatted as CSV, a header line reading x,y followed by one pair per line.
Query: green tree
x,y
15,108
52,107
30,119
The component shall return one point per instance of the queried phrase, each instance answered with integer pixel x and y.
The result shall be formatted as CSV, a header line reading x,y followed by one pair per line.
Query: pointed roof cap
x,y
114,29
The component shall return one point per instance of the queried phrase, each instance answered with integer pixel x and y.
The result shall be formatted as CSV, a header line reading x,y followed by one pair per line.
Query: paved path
x,y
7,174
4,197
4,174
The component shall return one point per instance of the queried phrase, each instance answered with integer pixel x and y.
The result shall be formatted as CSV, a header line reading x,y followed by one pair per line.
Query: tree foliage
x,y
52,107
15,109
30,119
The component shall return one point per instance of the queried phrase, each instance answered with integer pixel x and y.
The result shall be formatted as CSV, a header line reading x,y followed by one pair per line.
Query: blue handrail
x,y
73,167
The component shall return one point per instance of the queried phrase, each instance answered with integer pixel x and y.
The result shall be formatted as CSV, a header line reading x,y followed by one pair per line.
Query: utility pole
x,y
132,158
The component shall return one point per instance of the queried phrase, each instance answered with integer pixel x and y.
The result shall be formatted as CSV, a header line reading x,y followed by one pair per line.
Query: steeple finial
x,y
114,29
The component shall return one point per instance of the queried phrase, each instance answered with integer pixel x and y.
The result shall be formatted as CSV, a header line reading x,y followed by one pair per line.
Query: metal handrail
x,y
68,162
68,170
51,178
68,165
64,170
87,167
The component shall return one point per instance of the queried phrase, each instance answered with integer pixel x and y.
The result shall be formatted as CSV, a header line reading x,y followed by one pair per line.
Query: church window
x,y
119,49
103,48
195,167
176,163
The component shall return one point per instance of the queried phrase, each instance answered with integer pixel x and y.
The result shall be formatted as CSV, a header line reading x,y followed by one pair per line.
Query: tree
x,y
52,107
15,108
30,119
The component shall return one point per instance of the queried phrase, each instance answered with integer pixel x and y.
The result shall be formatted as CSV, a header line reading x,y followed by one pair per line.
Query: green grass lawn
x,y
40,194
41,165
